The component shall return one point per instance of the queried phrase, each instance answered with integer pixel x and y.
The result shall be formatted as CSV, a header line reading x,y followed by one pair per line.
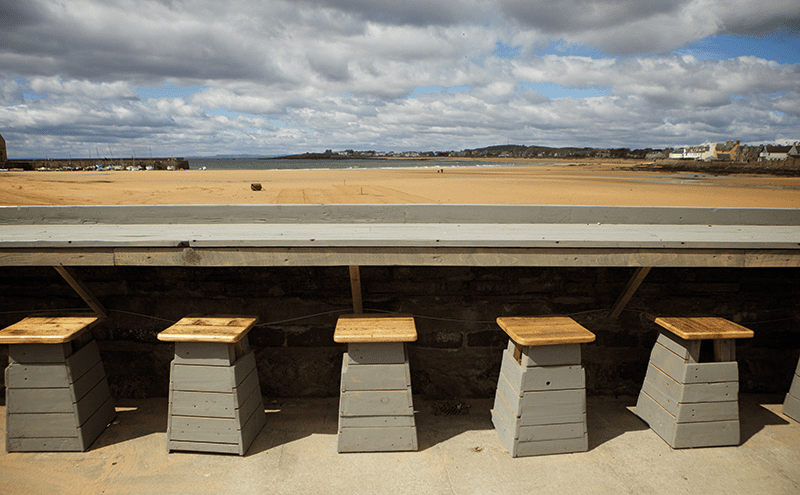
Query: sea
x,y
322,164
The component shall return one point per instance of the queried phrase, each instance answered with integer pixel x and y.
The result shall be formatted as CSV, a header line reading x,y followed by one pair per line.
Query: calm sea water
x,y
255,164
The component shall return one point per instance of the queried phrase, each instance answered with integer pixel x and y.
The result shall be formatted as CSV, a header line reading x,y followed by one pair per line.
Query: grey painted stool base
x,y
540,404
215,402
791,406
376,413
56,399
689,404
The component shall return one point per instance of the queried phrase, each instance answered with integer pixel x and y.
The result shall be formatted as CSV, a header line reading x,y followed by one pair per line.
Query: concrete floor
x,y
458,454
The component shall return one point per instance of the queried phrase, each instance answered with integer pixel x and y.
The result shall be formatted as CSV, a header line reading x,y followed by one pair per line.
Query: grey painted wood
x,y
693,412
73,444
542,377
376,403
688,350
198,429
375,376
42,425
795,388
88,381
408,213
551,355
39,353
552,432
83,360
797,370
549,447
97,423
791,407
39,400
375,421
376,353
218,448
205,404
253,426
541,408
692,392
211,378
250,406
680,371
36,376
204,353
91,402
686,435
387,439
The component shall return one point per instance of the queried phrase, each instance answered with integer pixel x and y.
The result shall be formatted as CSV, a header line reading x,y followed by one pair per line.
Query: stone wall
x,y
459,347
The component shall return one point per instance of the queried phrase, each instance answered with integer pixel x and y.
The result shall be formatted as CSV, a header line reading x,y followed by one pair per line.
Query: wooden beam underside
x,y
509,257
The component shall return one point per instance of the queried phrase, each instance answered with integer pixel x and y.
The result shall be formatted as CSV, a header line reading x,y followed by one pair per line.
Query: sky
x,y
124,78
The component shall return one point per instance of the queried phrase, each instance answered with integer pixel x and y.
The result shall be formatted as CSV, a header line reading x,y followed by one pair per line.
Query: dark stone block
x,y
488,338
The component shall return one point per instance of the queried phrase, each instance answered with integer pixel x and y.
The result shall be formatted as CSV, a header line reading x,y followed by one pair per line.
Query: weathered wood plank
x,y
36,376
42,425
691,392
688,350
795,388
692,412
633,285
97,423
201,378
376,353
204,353
541,408
387,439
92,401
203,404
375,421
38,400
672,365
551,355
70,444
375,376
88,381
219,448
791,407
376,403
686,435
215,430
253,427
82,361
542,377
39,353
724,350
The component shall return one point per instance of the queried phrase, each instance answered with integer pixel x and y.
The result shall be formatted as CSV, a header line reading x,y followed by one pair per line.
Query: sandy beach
x,y
534,183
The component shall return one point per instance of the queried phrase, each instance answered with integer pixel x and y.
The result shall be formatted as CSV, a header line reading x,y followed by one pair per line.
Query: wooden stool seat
x,y
540,404
686,402
47,329
57,396
215,402
376,412
366,328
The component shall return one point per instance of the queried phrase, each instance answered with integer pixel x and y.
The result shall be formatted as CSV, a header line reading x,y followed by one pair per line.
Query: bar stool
x,y
57,396
791,405
540,404
688,403
215,402
376,413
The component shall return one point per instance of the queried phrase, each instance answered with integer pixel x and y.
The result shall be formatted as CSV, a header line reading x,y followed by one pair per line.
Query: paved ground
x,y
458,454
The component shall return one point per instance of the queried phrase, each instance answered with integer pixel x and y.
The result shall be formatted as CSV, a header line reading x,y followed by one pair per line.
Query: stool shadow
x,y
440,420
293,419
608,417
135,418
754,416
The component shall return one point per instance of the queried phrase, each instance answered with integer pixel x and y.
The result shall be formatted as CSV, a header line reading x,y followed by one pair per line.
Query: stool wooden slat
x,y
540,404
376,412
57,395
791,405
686,402
215,402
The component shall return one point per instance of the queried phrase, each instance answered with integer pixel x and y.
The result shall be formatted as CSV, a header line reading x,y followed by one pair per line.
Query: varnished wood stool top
x,y
366,328
47,329
699,328
544,330
220,329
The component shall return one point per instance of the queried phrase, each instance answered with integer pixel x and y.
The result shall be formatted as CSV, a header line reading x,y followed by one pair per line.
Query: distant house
x,y
774,152
706,151
3,153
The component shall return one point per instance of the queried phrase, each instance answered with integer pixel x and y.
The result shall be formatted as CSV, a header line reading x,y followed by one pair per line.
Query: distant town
x,y
727,157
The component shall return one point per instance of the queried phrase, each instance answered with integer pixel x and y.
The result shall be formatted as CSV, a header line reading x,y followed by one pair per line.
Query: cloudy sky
x,y
266,77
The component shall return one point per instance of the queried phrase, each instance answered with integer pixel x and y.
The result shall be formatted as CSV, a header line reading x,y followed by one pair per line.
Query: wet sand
x,y
535,183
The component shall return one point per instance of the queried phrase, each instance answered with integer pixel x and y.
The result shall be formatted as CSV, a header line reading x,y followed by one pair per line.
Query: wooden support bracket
x,y
630,289
82,291
355,287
